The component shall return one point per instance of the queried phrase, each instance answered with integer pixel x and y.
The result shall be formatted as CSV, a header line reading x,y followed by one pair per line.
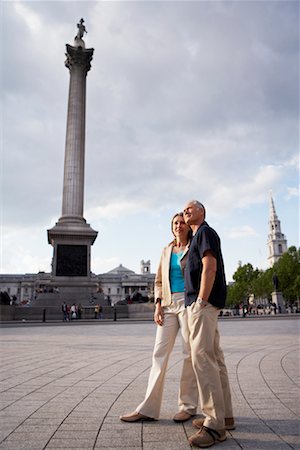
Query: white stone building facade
x,y
116,285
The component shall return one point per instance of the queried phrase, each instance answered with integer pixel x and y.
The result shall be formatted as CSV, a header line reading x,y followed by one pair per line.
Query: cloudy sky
x,y
185,100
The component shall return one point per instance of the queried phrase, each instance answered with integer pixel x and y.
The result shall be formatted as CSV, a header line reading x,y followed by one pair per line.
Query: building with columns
x,y
122,283
115,285
277,243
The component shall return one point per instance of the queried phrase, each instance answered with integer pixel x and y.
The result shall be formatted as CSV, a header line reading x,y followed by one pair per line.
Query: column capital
x,y
79,56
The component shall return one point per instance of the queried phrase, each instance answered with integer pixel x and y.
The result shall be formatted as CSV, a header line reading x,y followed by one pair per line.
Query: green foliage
x,y
287,269
236,294
263,285
253,281
244,278
246,274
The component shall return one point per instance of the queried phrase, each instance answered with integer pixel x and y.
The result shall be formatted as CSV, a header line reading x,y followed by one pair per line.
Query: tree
x,y
240,291
262,286
236,294
287,269
248,281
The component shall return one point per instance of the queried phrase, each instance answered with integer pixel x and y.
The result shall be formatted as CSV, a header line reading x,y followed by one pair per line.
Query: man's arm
x,y
208,275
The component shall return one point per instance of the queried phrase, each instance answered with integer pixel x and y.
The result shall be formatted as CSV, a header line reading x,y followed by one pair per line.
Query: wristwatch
x,y
158,300
201,301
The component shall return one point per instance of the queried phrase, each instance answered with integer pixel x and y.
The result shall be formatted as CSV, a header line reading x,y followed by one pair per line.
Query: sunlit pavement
x,y
64,386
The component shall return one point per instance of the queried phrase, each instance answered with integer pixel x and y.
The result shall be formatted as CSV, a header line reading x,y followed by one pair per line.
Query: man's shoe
x,y
135,417
229,423
182,416
206,437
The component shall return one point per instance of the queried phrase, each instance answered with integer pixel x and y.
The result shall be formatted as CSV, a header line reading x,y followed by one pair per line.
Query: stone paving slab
x,y
65,387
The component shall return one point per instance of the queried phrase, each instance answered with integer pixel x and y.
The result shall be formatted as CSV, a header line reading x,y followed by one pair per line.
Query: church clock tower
x,y
277,242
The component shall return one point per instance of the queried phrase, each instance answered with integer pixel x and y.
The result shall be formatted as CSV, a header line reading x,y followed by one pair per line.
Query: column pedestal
x,y
277,298
71,250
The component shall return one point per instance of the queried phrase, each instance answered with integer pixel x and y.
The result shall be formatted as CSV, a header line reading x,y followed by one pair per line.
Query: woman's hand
x,y
159,314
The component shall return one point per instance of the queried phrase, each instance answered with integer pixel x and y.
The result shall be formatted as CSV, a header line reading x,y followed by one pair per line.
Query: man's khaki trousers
x,y
175,318
209,364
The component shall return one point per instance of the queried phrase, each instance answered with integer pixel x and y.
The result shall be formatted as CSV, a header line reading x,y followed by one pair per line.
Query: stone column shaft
x,y
78,61
73,189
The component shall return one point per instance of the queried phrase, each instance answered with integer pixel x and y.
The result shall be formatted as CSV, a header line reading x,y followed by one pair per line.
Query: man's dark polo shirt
x,y
205,239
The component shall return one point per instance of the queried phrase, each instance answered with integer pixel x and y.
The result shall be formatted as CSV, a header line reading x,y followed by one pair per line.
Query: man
x,y
205,294
64,311
96,310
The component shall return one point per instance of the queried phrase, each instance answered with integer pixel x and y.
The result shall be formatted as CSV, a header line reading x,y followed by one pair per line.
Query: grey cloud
x,y
168,81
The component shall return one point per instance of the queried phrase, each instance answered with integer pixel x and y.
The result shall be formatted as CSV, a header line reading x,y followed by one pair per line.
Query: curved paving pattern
x,y
64,386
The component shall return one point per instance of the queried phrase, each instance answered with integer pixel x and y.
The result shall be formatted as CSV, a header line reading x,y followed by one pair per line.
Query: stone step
x,y
141,311
47,299
37,313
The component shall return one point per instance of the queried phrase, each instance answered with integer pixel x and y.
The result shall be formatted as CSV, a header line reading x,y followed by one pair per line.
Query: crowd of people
x,y
74,311
47,290
71,312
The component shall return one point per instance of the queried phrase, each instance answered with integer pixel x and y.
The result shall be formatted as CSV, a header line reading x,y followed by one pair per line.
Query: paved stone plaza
x,y
63,386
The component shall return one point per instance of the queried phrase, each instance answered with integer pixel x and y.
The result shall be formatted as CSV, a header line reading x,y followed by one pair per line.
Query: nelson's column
x,y
72,237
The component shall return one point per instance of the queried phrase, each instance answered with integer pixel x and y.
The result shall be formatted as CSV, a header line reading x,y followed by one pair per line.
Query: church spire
x,y
277,242
273,215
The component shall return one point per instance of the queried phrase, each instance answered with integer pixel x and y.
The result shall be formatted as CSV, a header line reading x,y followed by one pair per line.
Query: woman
x,y
170,316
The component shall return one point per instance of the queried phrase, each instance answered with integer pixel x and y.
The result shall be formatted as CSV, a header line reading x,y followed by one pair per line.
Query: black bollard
x,y
44,315
115,313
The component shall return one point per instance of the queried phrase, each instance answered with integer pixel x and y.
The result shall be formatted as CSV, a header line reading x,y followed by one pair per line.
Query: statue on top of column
x,y
81,30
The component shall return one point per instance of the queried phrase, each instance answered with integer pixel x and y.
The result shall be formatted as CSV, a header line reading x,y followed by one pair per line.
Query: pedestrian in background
x,y
64,311
97,308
